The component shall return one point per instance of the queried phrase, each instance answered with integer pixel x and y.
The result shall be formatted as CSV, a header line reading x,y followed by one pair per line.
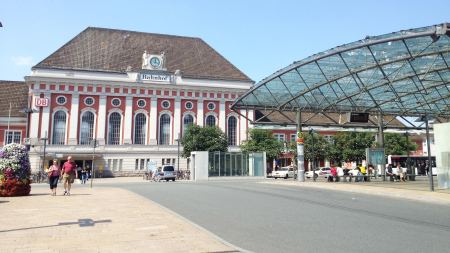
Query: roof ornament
x,y
145,60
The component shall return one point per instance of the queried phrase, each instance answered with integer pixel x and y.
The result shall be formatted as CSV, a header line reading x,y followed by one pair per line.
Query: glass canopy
x,y
404,73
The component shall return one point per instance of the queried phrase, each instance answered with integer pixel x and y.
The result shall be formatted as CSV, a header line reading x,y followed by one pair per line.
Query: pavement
x,y
101,219
411,190
109,219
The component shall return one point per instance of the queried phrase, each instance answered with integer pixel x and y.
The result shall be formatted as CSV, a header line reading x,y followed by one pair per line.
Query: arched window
x,y
86,128
59,128
231,130
187,121
114,128
140,123
210,121
164,130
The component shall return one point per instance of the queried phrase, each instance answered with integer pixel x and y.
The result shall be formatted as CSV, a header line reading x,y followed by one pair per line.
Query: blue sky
x,y
258,37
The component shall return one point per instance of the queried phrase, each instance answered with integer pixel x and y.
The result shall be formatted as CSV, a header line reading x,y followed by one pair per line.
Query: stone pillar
x,y
34,121
222,116
128,120
45,123
177,120
200,114
153,121
73,128
101,120
242,127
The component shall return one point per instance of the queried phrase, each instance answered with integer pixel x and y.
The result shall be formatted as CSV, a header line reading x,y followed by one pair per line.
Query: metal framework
x,y
403,74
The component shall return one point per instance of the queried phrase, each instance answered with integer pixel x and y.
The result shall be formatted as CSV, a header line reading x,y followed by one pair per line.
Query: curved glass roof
x,y
404,73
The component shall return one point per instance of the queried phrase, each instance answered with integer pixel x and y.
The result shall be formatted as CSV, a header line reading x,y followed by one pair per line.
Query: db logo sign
x,y
41,102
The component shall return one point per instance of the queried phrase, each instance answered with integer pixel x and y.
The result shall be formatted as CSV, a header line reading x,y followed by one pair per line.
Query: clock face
x,y
155,62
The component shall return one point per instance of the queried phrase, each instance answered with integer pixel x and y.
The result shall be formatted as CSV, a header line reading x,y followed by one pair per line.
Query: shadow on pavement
x,y
80,222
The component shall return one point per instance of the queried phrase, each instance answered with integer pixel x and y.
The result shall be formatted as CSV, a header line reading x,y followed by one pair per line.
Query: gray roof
x,y
403,73
111,50
16,93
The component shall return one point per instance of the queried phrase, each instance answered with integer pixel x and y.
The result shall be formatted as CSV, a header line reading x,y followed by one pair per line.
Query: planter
x,y
14,187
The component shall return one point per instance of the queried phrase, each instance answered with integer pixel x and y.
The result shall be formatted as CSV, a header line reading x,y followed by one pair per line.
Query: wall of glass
x,y
229,164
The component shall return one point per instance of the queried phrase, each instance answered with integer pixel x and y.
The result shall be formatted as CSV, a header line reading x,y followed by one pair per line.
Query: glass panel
x,y
86,128
210,121
114,128
59,128
164,130
231,130
140,123
187,121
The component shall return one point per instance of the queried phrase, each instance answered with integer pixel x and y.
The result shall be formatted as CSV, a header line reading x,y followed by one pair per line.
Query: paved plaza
x,y
101,219
111,217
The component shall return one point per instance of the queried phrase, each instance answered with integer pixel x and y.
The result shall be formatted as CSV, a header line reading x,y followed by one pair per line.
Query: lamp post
x,y
178,152
409,170
43,156
311,134
94,144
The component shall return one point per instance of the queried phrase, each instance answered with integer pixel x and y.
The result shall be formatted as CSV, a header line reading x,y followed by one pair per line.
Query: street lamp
x,y
94,144
45,145
28,111
311,134
409,170
178,152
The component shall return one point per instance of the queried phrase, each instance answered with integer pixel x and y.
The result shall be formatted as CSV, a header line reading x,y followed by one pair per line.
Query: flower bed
x,y
14,171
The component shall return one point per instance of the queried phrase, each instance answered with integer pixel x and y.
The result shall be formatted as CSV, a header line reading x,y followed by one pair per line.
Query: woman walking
x,y
54,173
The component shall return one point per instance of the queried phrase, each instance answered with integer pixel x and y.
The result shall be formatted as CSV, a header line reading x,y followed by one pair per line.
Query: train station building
x,y
134,93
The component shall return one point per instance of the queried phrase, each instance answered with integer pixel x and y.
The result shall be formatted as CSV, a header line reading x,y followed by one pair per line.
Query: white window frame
x,y
121,127
146,125
14,132
50,136
94,127
278,135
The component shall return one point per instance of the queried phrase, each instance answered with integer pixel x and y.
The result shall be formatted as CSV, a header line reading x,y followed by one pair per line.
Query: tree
x,y
262,140
316,147
396,144
352,145
198,138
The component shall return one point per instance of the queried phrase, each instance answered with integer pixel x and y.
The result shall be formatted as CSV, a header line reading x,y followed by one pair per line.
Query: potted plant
x,y
14,171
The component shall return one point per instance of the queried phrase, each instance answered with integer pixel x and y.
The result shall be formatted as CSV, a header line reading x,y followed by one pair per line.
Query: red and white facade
x,y
133,120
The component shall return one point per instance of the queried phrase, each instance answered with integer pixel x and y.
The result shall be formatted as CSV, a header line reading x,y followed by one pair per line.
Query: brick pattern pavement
x,y
97,220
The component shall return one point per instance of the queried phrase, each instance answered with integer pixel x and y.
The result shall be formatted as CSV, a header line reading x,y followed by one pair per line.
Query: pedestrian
x,y
69,173
53,174
84,175
333,172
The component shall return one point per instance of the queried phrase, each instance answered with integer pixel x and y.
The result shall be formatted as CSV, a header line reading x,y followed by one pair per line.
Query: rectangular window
x,y
279,137
114,164
120,164
142,164
109,164
328,138
168,161
173,161
293,137
163,161
13,137
136,165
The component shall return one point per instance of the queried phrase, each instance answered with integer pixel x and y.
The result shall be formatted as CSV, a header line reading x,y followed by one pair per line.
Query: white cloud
x,y
22,60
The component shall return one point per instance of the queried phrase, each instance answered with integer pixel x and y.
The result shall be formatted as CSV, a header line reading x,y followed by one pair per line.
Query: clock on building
x,y
155,62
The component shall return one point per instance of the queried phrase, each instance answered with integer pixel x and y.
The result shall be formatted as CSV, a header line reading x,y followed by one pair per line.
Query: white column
x,y
177,120
34,120
242,127
153,120
101,120
222,115
250,115
200,112
45,118
73,130
128,120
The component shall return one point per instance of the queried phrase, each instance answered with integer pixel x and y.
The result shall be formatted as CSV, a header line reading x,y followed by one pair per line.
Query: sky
x,y
258,37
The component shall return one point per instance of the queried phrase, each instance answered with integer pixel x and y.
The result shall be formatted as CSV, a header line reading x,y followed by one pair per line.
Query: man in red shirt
x,y
69,173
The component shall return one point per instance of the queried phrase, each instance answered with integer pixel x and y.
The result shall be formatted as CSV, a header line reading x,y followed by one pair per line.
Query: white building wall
x,y
73,126
128,120
153,120
34,119
222,116
45,123
177,121
101,121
